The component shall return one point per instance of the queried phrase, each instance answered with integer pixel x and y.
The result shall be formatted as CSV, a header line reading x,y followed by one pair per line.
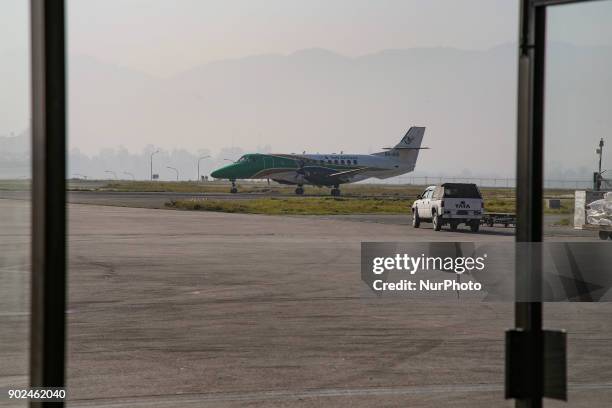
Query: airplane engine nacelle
x,y
320,175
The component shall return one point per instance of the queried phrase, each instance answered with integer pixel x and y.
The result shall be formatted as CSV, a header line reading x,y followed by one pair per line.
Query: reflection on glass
x,y
578,106
15,151
578,120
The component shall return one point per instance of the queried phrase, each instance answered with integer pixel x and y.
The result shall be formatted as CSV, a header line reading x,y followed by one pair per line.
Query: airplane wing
x,y
270,172
349,172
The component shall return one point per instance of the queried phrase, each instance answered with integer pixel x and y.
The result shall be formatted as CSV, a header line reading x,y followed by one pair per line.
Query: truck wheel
x,y
453,225
474,225
416,221
603,235
437,222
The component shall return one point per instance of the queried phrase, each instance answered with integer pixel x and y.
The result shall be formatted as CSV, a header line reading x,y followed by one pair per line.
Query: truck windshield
x,y
461,191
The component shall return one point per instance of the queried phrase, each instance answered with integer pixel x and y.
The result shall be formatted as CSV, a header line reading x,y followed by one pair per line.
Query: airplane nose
x,y
223,172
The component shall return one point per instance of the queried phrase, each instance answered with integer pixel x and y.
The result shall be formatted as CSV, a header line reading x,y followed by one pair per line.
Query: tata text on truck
x,y
449,204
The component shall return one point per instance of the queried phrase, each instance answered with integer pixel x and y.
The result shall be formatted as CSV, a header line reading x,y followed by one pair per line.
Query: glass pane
x,y
184,291
577,118
15,148
579,81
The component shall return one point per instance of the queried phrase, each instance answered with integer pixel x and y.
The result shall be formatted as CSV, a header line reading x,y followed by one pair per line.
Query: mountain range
x,y
316,100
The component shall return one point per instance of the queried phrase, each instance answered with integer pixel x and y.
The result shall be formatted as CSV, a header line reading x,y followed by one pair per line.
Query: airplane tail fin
x,y
412,139
407,150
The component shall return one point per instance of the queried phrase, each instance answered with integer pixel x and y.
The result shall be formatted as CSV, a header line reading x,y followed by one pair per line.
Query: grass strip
x,y
329,206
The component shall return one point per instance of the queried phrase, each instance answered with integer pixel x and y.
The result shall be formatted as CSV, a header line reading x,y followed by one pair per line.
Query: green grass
x,y
508,205
496,196
354,190
504,205
297,206
15,185
348,190
172,186
329,205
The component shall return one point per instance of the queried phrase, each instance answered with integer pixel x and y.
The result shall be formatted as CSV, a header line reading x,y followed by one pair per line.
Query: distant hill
x,y
317,100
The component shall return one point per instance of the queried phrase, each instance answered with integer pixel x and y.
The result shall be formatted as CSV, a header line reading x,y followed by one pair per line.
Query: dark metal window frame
x,y
48,323
48,75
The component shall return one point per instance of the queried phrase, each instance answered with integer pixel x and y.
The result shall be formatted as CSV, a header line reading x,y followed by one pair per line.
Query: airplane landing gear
x,y
335,191
299,190
234,190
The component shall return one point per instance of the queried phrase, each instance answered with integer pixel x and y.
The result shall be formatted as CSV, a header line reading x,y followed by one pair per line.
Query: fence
x,y
499,182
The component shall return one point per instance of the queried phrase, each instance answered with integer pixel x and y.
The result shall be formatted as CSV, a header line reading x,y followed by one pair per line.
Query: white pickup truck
x,y
449,203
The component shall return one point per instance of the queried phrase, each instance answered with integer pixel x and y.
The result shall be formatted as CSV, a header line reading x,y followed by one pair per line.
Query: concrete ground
x,y
185,309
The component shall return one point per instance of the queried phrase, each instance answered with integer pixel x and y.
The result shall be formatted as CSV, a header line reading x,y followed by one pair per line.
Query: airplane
x,y
329,170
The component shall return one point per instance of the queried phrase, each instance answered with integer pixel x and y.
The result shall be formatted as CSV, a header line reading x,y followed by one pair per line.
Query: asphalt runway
x,y
184,309
157,200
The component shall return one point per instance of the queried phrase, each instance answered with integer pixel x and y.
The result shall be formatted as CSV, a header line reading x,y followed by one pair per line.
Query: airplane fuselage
x,y
317,167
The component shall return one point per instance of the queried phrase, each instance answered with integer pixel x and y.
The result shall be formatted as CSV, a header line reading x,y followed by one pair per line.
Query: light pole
x,y
177,172
111,172
600,152
203,157
130,174
597,177
157,151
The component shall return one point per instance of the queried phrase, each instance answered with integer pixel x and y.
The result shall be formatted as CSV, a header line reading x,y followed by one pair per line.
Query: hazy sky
x,y
192,32
163,37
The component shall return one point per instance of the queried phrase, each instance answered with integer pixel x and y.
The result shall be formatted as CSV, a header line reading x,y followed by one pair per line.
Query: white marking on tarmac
x,y
196,399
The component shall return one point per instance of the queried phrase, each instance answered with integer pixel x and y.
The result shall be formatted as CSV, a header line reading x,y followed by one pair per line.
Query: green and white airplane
x,y
329,170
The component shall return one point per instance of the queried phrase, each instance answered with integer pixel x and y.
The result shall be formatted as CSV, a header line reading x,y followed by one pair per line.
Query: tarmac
x,y
183,309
